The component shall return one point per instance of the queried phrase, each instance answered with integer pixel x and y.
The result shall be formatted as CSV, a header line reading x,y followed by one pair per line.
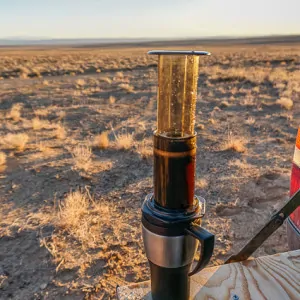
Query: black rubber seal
x,y
168,222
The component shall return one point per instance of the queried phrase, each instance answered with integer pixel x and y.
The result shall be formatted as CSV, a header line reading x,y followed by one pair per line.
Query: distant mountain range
x,y
34,41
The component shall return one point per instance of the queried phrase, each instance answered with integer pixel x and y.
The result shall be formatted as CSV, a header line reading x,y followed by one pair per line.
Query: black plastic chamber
x,y
174,171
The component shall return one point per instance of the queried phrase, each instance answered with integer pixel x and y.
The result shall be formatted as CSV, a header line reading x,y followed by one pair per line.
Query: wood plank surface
x,y
275,277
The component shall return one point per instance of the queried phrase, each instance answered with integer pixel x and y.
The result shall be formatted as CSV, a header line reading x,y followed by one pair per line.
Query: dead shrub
x,y
2,158
15,112
145,151
235,144
80,82
286,103
200,126
224,104
101,141
201,183
124,141
16,141
106,79
126,87
112,99
41,112
61,114
60,132
250,121
71,211
37,124
82,157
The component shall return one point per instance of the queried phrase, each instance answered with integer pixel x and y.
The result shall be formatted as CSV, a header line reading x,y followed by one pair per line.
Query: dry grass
x,y
101,141
126,87
124,141
119,75
16,141
74,207
2,158
106,80
200,126
145,150
224,104
112,99
61,114
285,103
201,183
41,146
60,132
250,121
82,218
235,144
37,123
41,112
82,157
15,112
80,82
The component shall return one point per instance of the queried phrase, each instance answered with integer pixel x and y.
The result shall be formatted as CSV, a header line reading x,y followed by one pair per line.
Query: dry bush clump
x,y
15,112
106,80
2,158
85,220
16,141
124,141
235,144
144,150
120,74
126,87
101,141
285,103
72,210
112,99
224,104
82,157
200,126
37,123
201,183
61,114
250,121
41,146
41,112
80,82
60,132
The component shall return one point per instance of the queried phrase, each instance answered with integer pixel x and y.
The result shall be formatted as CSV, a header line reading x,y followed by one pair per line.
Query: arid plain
x,y
76,159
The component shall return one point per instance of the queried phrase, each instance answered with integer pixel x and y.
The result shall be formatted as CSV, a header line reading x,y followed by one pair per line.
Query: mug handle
x,y
207,241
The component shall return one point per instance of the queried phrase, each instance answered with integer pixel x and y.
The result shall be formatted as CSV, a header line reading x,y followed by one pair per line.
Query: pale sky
x,y
147,19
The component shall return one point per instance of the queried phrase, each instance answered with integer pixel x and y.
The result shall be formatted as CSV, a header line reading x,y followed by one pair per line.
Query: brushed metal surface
x,y
169,251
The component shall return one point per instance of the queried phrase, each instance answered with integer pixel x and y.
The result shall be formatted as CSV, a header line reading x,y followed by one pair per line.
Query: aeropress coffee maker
x,y
171,216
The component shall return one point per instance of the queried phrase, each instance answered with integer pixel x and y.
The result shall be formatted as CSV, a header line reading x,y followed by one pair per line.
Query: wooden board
x,y
275,277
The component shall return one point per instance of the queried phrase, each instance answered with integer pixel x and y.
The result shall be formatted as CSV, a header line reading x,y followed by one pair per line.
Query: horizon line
x,y
32,38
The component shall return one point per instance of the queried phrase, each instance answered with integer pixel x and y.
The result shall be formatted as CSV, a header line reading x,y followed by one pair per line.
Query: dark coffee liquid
x,y
174,171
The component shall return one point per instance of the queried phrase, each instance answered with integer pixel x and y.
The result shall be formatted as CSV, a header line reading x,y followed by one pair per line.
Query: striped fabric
x,y
295,181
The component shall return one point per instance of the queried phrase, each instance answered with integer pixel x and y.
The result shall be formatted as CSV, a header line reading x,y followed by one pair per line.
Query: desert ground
x,y
76,159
